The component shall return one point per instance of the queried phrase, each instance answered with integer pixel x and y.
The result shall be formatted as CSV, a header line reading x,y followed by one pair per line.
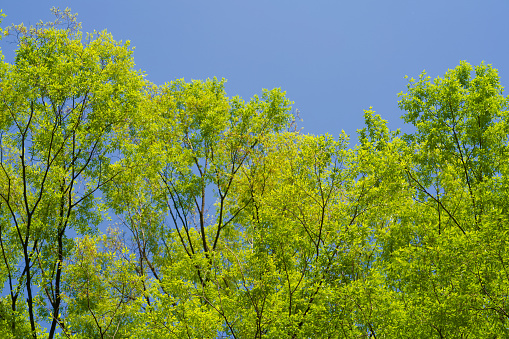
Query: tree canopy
x,y
130,210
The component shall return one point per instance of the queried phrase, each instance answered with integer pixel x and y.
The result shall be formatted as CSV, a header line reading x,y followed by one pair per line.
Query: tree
x,y
200,140
443,257
459,174
66,110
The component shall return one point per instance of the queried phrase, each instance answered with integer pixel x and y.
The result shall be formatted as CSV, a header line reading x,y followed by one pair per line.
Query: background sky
x,y
333,58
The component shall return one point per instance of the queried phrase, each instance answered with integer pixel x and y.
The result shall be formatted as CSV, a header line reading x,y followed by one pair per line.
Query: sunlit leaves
x,y
223,224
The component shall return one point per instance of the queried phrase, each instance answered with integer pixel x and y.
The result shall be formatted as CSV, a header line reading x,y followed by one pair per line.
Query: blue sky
x,y
333,58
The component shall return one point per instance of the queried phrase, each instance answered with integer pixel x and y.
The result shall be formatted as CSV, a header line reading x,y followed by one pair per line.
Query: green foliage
x,y
66,110
223,223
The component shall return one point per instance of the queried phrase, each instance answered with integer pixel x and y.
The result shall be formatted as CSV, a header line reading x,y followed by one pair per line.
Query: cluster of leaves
x,y
224,221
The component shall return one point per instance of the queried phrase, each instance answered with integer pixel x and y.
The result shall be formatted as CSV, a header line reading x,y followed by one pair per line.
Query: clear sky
x,y
333,58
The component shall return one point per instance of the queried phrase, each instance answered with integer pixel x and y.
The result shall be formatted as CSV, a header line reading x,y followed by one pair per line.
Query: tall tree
x,y
459,173
66,109
443,244
195,146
